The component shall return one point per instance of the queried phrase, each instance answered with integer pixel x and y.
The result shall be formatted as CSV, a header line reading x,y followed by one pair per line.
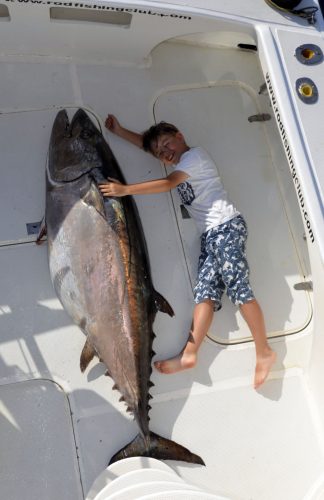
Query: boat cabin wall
x,y
103,33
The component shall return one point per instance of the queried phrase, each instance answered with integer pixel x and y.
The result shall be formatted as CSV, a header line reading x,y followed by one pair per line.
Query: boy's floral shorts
x,y
222,264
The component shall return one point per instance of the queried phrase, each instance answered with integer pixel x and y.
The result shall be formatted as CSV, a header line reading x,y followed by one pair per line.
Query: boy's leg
x,y
236,277
265,356
202,318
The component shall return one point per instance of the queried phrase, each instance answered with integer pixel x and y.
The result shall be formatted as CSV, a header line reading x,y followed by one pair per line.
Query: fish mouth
x,y
82,125
61,127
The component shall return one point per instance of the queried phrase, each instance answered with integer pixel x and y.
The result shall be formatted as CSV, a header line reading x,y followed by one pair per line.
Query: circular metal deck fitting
x,y
306,90
309,54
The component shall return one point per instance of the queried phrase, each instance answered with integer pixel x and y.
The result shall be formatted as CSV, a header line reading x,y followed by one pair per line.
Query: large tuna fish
x,y
100,271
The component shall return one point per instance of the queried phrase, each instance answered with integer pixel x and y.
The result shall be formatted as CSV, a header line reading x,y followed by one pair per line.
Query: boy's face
x,y
169,148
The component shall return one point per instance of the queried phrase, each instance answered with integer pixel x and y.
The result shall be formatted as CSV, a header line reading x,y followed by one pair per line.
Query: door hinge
x,y
307,286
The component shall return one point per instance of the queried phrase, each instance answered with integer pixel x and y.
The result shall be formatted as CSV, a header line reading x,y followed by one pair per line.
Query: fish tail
x,y
157,447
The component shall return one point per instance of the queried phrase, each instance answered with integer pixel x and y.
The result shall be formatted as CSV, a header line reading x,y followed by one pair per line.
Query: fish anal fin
x,y
87,354
156,447
162,304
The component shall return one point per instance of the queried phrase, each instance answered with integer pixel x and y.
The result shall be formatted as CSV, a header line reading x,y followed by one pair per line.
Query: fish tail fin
x,y
162,304
157,447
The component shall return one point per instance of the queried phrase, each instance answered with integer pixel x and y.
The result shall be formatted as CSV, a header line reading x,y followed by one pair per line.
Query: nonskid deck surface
x,y
240,432
213,409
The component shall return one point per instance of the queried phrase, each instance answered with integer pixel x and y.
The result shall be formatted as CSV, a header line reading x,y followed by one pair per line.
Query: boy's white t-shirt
x,y
203,193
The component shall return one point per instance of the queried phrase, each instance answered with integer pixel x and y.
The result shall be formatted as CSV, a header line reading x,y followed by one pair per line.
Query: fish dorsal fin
x,y
162,304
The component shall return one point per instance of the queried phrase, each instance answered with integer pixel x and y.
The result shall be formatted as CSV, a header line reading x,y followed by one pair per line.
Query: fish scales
x,y
100,271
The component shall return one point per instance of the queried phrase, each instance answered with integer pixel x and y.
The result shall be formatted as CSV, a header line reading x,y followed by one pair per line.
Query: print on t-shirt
x,y
186,193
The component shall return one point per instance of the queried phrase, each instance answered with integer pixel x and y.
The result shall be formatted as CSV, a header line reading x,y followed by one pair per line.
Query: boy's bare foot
x,y
178,363
263,367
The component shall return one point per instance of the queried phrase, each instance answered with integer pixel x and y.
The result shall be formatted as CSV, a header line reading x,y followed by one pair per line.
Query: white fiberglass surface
x,y
37,337
38,458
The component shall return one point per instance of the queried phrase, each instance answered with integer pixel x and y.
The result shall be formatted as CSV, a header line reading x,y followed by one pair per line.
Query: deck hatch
x,y
37,434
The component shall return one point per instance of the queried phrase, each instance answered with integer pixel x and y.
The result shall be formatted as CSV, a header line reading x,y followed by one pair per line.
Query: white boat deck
x,y
59,427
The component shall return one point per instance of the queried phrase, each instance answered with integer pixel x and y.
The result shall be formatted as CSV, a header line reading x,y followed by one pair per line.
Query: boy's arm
x,y
114,126
149,187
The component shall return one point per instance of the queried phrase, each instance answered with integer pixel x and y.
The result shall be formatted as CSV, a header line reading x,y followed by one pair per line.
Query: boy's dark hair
x,y
154,132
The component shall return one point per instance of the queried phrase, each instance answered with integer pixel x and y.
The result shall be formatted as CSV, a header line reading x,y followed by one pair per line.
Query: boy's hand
x,y
113,188
113,124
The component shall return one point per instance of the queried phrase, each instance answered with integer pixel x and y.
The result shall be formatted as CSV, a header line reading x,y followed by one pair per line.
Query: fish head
x,y
109,167
73,148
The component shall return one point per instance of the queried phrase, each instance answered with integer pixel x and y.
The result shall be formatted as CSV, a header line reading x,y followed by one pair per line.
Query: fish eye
x,y
86,134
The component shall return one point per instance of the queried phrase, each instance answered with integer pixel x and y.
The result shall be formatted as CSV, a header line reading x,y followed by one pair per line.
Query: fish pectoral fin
x,y
162,304
87,354
94,199
42,232
158,447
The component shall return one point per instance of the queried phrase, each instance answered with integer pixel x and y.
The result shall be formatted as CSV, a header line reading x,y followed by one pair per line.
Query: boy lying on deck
x,y
222,263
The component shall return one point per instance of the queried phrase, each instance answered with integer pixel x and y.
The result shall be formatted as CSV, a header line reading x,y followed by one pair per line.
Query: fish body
x,y
100,271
